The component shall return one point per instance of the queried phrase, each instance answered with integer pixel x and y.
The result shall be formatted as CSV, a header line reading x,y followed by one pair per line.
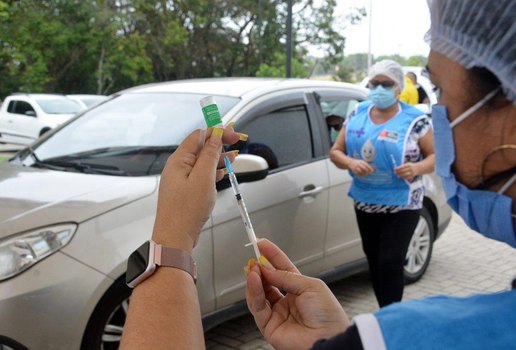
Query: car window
x,y
335,110
59,106
282,137
19,107
337,107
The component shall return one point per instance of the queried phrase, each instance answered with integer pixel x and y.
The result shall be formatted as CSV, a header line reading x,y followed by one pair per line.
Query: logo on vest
x,y
358,132
391,136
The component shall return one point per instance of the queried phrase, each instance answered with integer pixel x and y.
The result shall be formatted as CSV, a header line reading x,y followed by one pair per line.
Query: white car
x,y
25,117
87,100
76,203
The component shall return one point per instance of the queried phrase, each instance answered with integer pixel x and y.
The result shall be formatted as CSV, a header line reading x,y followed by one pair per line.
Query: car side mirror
x,y
30,113
248,168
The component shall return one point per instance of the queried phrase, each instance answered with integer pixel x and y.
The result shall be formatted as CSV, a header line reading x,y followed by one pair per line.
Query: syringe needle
x,y
242,208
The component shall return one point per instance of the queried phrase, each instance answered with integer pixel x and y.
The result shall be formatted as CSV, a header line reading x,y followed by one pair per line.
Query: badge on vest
x,y
386,135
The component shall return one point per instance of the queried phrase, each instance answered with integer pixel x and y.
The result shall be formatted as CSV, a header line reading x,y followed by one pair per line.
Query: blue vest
x,y
477,322
382,146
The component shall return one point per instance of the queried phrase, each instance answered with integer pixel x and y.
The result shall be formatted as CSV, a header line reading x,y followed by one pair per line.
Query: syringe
x,y
212,117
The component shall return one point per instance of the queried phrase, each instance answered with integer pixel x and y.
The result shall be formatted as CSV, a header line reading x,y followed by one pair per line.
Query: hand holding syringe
x,y
212,117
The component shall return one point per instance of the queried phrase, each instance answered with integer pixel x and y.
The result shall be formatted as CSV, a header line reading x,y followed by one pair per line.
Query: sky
x,y
398,27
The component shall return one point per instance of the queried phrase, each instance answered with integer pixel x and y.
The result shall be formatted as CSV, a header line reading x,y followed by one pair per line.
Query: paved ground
x,y
463,263
7,150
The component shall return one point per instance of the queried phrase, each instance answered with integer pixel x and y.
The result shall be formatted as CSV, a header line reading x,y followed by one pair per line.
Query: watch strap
x,y
177,258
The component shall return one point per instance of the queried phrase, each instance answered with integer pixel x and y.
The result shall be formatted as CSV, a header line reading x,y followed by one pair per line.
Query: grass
x,y
3,158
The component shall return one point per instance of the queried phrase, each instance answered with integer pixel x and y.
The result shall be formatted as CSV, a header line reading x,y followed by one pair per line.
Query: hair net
x,y
477,33
390,69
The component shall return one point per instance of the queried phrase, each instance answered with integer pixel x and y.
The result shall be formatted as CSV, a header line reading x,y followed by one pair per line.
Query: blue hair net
x,y
477,33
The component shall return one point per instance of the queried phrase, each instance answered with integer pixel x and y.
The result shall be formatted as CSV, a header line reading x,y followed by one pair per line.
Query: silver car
x,y
78,201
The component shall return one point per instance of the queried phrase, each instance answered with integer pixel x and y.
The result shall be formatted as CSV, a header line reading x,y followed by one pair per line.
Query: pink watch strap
x,y
173,257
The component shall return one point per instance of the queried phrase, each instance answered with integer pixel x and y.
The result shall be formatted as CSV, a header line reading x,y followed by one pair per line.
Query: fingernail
x,y
230,124
246,270
243,137
235,152
224,170
216,136
265,263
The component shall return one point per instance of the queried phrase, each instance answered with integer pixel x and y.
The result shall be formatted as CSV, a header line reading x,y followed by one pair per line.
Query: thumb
x,y
287,281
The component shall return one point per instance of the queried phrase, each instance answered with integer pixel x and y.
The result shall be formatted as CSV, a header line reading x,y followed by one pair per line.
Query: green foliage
x,y
419,61
102,46
353,68
277,68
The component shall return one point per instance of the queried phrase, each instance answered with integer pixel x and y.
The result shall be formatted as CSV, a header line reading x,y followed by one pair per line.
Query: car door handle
x,y
310,190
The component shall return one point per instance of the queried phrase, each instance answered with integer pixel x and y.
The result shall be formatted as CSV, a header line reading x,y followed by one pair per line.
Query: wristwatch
x,y
143,262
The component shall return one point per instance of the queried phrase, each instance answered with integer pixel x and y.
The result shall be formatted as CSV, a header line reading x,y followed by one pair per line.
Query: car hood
x,y
32,198
56,119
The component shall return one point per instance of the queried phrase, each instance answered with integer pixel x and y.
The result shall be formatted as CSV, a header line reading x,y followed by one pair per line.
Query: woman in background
x,y
387,145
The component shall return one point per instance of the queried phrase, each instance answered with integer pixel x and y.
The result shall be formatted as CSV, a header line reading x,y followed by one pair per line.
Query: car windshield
x,y
59,106
90,101
131,135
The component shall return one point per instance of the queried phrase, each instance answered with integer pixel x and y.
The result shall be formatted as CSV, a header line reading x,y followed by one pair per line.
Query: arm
x,y
409,170
164,311
342,161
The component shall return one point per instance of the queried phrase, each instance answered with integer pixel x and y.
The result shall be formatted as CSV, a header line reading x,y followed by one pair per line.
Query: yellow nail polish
x,y
243,137
246,270
217,132
230,124
235,152
265,263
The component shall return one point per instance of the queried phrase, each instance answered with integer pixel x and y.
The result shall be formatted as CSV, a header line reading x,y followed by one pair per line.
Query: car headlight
x,y
19,252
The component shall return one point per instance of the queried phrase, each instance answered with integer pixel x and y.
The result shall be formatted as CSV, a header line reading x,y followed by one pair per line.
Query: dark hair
x,y
412,74
483,82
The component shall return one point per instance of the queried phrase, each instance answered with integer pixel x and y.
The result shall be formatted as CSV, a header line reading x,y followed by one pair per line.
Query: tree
x,y
417,61
101,46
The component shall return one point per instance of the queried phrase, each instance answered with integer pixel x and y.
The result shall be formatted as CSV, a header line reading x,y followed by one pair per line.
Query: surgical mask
x,y
382,97
487,212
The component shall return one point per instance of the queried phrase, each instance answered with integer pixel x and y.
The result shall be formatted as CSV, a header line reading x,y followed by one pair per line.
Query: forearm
x,y
426,166
340,159
164,312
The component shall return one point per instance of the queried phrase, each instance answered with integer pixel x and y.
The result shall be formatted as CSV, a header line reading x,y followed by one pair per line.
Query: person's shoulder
x,y
412,111
363,106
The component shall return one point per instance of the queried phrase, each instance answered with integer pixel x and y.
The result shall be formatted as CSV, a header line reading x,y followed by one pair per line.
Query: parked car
x,y
86,101
25,117
75,204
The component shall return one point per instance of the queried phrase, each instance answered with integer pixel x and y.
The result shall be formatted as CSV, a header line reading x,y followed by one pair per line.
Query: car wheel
x,y
104,329
419,252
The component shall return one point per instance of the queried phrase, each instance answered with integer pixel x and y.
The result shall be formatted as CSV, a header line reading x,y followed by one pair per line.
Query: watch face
x,y
138,265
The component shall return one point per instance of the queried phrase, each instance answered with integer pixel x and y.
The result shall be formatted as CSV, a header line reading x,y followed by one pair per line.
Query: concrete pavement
x,y
463,263
7,150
